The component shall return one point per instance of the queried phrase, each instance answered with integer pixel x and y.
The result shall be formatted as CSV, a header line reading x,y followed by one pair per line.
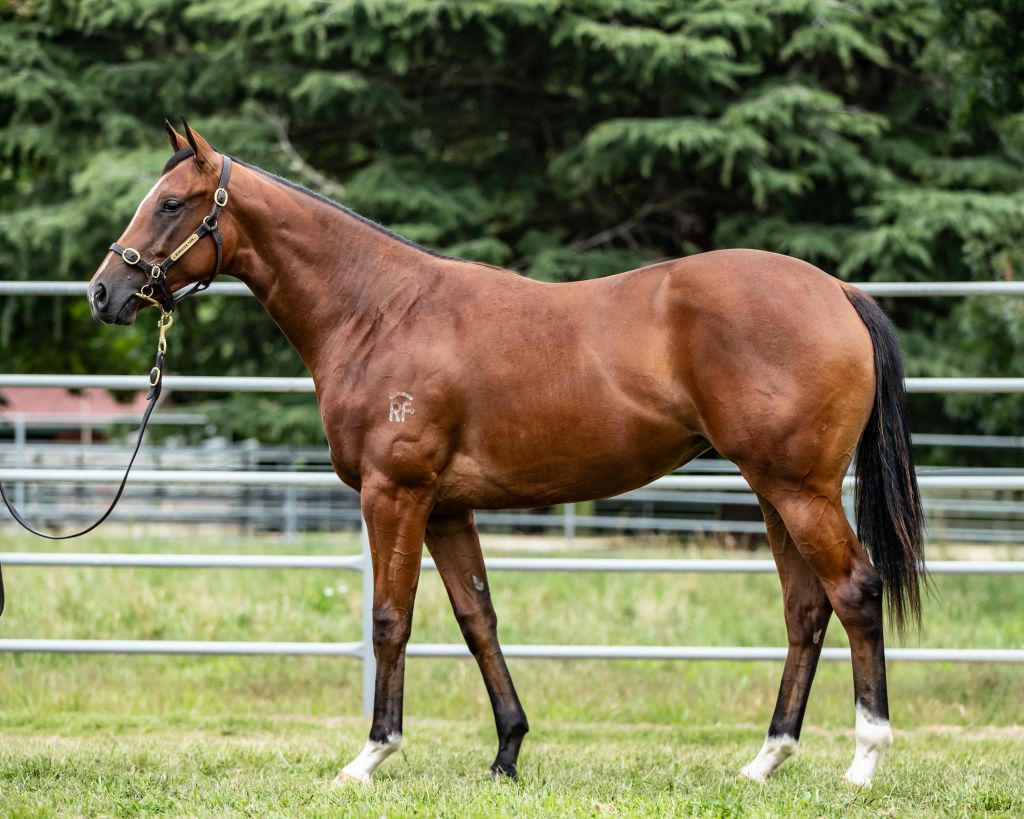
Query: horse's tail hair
x,y
890,520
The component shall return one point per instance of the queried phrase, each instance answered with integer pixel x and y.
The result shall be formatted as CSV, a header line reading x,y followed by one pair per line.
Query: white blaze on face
x,y
874,736
110,254
773,753
362,767
138,210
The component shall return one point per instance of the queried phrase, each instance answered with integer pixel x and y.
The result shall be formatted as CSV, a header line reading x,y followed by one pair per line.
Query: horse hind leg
x,y
807,610
455,546
826,541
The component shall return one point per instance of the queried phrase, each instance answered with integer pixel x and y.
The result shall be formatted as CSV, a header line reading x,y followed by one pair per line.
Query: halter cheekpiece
x,y
158,272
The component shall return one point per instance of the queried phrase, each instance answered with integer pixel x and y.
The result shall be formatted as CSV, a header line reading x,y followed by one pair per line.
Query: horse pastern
x,y
775,751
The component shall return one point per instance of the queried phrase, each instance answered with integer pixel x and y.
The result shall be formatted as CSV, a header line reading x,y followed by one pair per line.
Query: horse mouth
x,y
125,314
129,311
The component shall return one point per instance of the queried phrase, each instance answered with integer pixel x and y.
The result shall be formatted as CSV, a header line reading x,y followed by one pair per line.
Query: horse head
x,y
183,207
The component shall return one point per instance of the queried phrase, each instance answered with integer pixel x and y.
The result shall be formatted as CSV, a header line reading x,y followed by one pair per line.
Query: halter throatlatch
x,y
157,272
157,283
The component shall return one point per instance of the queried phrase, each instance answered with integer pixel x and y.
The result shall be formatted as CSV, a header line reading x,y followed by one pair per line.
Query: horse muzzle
x,y
113,304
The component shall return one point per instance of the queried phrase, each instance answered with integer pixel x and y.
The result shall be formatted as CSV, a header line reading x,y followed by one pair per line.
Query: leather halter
x,y
157,272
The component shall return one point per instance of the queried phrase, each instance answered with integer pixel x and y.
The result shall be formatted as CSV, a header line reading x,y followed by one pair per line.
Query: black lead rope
x,y
154,393
157,282
155,387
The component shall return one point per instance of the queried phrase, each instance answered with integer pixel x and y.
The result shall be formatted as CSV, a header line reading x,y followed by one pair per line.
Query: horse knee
x,y
391,628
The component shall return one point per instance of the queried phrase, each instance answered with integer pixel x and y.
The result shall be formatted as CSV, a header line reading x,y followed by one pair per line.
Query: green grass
x,y
116,735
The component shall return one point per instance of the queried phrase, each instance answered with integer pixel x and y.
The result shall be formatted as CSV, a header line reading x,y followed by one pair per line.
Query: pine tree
x,y
879,139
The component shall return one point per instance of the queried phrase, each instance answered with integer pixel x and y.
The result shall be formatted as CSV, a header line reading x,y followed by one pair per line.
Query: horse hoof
x,y
344,780
754,774
856,780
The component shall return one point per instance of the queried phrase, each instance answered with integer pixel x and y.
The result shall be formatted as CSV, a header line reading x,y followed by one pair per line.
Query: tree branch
x,y
295,161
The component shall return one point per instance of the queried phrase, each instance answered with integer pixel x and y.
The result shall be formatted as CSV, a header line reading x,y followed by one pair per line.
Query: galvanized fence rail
x,y
361,563
877,289
363,648
217,383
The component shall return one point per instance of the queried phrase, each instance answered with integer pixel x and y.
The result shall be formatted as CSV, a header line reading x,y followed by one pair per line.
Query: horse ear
x,y
204,152
177,140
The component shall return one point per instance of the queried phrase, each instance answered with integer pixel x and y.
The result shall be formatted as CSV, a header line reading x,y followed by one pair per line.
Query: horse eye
x,y
171,206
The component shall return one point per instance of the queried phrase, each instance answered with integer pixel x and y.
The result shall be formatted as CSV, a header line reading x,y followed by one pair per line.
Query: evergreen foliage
x,y
879,139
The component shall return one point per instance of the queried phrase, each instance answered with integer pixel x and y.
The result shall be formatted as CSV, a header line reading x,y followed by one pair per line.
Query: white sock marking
x,y
369,759
874,736
773,753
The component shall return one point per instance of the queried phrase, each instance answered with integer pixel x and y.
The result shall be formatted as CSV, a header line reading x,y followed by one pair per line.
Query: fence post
x,y
20,458
569,524
369,661
290,512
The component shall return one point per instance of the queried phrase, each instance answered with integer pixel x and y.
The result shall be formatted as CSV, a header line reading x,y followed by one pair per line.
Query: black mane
x,y
180,156
328,201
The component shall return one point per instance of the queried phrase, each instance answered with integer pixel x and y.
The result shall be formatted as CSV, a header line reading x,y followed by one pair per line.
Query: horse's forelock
x,y
177,159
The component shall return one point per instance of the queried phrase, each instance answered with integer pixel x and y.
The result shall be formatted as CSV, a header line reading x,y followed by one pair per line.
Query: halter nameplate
x,y
180,251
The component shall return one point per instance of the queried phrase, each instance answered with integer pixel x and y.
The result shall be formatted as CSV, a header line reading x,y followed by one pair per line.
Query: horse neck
x,y
325,276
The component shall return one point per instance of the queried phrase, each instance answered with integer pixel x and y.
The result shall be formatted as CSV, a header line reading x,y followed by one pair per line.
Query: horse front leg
x,y
396,520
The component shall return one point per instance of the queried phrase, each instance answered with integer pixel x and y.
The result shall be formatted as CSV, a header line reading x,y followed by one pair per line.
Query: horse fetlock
x,y
775,751
502,771
516,729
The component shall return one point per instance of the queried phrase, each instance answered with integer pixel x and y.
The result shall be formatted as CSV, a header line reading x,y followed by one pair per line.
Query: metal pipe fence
x,y
573,565
363,649
361,562
217,383
925,480
172,497
877,289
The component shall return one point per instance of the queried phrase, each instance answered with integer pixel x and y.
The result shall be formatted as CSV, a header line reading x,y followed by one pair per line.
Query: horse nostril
x,y
99,295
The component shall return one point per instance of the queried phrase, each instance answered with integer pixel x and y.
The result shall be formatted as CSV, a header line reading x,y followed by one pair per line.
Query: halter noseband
x,y
158,272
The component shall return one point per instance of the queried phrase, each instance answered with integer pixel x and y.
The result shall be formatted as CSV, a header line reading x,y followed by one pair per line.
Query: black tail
x,y
890,521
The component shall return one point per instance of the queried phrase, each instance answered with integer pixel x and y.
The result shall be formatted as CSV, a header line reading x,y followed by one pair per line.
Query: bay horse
x,y
448,386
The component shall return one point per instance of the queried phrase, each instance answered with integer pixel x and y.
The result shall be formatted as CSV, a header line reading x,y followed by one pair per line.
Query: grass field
x,y
116,735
